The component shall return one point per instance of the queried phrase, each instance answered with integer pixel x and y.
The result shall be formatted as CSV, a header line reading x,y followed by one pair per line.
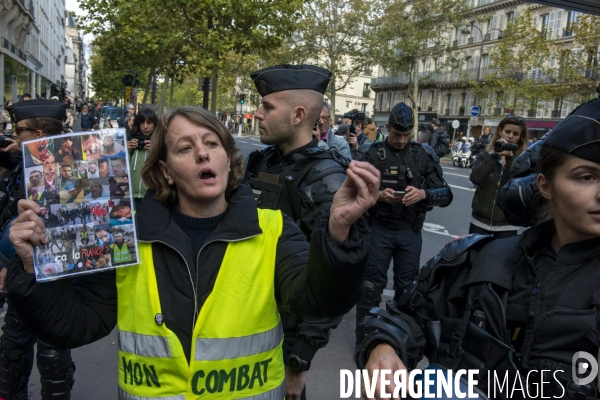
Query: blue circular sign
x,y
475,111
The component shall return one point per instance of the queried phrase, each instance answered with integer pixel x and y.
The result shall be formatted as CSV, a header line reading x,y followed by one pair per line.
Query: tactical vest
x,y
237,338
283,189
398,169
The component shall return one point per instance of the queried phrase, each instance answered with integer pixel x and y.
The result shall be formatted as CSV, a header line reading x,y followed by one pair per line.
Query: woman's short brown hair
x,y
511,121
152,175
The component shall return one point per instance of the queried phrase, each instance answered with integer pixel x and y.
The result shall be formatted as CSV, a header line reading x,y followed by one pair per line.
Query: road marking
x,y
253,144
437,229
450,173
461,187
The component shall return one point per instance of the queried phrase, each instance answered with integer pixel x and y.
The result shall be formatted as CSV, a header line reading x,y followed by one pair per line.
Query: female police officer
x,y
198,315
525,307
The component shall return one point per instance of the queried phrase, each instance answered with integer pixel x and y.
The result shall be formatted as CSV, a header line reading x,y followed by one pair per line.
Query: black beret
x,y
38,108
579,133
291,77
402,118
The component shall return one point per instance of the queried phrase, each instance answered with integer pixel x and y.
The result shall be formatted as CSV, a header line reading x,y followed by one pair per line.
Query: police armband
x,y
440,197
403,334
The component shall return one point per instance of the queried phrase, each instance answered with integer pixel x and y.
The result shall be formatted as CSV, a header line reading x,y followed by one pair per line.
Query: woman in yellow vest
x,y
198,315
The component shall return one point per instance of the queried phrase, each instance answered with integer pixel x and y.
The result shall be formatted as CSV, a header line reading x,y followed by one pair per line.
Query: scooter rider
x,y
411,184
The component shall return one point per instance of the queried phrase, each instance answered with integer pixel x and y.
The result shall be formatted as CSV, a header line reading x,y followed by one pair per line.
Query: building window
x,y
510,18
485,61
363,107
571,20
368,69
454,103
366,90
545,24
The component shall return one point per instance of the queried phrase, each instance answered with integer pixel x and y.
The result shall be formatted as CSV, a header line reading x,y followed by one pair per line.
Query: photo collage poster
x,y
81,183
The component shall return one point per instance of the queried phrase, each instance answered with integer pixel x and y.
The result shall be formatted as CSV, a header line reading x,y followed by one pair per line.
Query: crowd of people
x,y
317,216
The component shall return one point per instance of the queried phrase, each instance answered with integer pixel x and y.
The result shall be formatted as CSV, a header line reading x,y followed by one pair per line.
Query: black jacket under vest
x,y
526,308
73,312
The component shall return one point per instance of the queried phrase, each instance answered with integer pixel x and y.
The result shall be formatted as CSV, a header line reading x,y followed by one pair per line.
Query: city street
x,y
96,374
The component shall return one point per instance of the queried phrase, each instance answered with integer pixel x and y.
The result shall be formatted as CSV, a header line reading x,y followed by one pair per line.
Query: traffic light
x,y
242,98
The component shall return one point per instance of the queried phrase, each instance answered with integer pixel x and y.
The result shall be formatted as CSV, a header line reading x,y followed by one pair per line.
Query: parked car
x,y
112,117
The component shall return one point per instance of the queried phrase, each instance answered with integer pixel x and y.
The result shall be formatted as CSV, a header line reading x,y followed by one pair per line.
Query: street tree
x,y
519,62
406,33
333,34
577,69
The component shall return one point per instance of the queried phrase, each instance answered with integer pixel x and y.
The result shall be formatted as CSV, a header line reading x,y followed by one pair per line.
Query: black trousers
x,y
16,361
401,245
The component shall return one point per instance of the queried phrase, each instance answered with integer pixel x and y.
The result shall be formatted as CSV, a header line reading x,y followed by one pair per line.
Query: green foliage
x,y
181,37
334,34
520,61
405,32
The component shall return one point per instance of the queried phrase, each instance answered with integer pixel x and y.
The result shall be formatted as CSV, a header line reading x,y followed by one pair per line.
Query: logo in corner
x,y
580,368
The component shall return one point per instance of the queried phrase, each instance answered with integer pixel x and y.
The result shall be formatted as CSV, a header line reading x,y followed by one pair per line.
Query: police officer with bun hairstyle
x,y
32,119
295,176
525,308
411,184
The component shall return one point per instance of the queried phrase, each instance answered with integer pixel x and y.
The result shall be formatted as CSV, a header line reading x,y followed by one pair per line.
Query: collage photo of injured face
x,y
80,181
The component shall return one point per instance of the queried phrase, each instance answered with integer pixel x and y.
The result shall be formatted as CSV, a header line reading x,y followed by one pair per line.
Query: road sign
x,y
475,111
455,124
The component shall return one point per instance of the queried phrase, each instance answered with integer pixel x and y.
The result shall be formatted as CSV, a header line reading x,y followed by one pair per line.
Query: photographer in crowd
x,y
490,173
357,139
139,146
32,120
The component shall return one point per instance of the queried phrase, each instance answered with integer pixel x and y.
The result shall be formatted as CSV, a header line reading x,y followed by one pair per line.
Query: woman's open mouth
x,y
207,175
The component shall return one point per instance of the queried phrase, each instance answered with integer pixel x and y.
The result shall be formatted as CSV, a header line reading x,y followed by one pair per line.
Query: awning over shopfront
x,y
585,6
248,116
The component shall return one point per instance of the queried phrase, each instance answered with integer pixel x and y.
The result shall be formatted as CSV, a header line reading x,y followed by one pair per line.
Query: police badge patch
x,y
159,319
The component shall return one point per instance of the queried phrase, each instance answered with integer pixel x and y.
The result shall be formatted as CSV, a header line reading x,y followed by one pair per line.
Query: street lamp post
x,y
467,32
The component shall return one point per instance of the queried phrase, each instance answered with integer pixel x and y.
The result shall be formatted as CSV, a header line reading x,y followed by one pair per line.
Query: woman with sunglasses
x,y
490,172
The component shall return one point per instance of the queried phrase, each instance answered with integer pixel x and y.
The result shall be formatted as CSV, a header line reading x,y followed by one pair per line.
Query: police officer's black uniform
x,y
510,306
302,184
397,228
16,345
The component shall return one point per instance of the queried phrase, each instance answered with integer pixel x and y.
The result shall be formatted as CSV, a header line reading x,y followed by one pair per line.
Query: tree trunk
x,y
149,85
415,99
332,98
163,95
171,94
213,100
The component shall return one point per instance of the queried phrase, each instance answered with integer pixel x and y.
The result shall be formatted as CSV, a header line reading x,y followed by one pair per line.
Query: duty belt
x,y
395,224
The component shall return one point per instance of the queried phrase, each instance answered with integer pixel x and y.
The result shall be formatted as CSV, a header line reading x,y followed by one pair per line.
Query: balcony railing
x,y
465,76
13,49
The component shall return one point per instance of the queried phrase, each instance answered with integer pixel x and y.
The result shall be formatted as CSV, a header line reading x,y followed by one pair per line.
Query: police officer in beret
x,y
295,176
411,184
525,307
31,120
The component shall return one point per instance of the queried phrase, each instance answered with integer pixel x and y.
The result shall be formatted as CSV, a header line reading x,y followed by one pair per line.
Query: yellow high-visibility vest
x,y
237,341
121,254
